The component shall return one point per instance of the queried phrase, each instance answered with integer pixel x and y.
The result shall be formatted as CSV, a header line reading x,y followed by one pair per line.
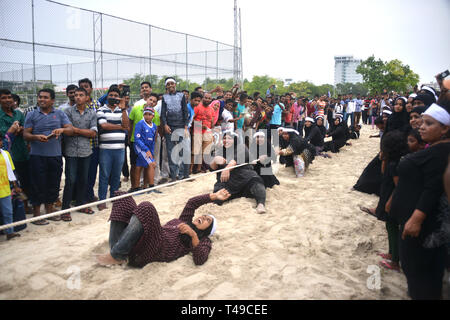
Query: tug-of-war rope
x,y
57,213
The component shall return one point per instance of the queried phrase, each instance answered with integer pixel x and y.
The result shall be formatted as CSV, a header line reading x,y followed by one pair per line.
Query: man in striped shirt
x,y
112,123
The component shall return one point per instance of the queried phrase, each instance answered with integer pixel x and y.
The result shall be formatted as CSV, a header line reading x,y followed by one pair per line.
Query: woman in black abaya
x,y
262,154
242,181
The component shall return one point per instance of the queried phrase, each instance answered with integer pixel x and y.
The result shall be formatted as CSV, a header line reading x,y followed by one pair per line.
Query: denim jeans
x,y
77,170
111,162
7,212
177,137
92,175
123,237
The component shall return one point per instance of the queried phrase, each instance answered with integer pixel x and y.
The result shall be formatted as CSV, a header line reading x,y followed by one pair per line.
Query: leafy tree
x,y
393,75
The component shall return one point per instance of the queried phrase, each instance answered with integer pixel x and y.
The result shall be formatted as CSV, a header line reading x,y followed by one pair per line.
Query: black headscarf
x,y
398,120
187,240
419,109
427,99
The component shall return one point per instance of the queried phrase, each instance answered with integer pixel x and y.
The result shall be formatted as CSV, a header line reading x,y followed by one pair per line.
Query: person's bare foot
x,y
107,260
260,209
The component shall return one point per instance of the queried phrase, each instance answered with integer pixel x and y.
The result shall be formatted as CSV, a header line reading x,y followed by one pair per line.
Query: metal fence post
x,y
150,52
187,71
34,50
217,60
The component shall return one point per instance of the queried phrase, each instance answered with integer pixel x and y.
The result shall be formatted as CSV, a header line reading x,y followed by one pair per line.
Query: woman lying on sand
x,y
136,234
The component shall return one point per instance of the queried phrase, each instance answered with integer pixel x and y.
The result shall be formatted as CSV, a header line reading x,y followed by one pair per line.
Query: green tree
x,y
393,75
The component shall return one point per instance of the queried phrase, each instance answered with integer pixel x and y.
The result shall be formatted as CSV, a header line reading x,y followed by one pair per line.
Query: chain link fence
x,y
47,44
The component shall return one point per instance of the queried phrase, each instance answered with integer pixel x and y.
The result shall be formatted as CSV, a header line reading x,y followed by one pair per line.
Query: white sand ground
x,y
314,243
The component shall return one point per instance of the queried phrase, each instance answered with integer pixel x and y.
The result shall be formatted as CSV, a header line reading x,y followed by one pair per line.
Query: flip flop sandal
x,y
86,211
42,222
66,217
388,265
384,255
366,210
56,218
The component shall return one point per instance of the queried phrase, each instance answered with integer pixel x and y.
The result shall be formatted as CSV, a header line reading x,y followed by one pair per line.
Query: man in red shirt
x,y
203,124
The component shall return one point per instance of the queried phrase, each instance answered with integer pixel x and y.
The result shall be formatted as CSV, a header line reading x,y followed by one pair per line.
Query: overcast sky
x,y
299,39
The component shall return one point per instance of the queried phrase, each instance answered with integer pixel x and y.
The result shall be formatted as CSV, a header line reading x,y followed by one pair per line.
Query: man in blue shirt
x,y
43,128
275,123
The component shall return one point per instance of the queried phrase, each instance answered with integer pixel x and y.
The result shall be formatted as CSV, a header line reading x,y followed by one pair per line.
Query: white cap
x,y
438,113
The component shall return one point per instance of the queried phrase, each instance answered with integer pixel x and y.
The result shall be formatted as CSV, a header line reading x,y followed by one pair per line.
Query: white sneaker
x,y
260,209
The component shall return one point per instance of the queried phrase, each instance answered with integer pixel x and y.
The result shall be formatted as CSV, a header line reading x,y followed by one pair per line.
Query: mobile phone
x,y
125,91
443,75
51,135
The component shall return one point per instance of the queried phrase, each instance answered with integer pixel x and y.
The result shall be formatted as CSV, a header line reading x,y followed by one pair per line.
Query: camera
x,y
113,102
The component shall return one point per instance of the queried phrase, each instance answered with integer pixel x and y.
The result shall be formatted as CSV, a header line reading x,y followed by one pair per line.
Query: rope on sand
x,y
57,213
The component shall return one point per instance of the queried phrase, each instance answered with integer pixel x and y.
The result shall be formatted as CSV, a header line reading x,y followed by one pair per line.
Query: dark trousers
x,y
392,229
365,116
45,179
77,170
125,170
92,175
424,268
23,175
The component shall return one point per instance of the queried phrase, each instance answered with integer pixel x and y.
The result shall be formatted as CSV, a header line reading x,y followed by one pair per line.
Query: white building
x,y
345,70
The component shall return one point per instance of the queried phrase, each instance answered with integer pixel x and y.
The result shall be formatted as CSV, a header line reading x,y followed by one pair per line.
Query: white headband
x,y
430,90
338,115
214,225
404,99
309,119
280,129
290,130
259,134
412,95
387,111
438,113
319,117
230,132
170,80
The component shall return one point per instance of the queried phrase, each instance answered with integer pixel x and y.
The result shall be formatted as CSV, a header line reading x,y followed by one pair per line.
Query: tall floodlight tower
x,y
236,46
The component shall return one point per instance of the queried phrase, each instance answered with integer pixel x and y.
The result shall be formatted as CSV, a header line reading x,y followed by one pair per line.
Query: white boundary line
x,y
57,213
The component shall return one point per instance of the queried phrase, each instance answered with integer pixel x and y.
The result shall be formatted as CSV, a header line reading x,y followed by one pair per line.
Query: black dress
x,y
387,187
264,168
340,135
299,146
314,136
242,179
420,187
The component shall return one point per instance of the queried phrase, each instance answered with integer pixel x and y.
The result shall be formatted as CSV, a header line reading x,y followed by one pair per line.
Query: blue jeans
x,y
177,138
77,170
111,162
92,175
123,237
7,212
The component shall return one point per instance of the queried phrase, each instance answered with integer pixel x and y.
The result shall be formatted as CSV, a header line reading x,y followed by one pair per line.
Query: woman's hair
x,y
394,145
415,133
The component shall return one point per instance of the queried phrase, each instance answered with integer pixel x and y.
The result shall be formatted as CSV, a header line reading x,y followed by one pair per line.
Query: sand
x,y
314,243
